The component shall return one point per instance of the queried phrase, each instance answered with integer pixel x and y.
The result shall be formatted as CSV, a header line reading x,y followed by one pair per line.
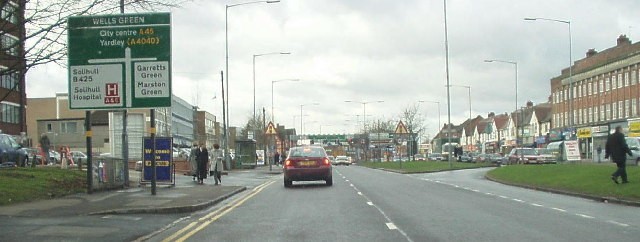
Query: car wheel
x,y
329,181
288,183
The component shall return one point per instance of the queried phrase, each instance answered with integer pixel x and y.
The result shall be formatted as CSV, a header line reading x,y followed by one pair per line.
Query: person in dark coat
x,y
617,148
202,158
276,158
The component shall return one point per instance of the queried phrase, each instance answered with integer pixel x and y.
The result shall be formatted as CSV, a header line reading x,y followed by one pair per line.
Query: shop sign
x,y
584,133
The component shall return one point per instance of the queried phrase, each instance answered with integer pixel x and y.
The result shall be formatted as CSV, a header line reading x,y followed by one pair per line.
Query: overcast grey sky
x,y
369,50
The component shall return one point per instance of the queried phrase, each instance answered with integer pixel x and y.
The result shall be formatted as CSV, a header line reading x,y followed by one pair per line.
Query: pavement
x,y
185,196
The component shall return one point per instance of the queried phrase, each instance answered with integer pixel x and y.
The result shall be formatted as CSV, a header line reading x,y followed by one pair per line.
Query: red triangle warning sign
x,y
271,129
401,129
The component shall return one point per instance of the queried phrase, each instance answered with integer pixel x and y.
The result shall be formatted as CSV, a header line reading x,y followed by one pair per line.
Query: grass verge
x,y
28,184
589,179
423,166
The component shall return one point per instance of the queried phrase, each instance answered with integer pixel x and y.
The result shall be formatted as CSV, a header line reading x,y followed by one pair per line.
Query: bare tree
x,y
414,123
381,126
256,125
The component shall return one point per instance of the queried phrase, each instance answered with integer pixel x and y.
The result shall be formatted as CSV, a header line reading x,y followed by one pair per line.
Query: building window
x,y
626,79
620,79
601,86
602,112
627,108
9,44
69,127
9,78
634,78
49,128
607,84
10,113
8,13
634,107
589,87
620,113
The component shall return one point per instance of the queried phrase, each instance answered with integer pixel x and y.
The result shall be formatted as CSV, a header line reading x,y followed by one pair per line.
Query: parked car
x,y
482,158
466,157
421,157
78,157
342,160
634,145
435,156
332,159
11,153
496,158
524,156
33,154
546,155
307,163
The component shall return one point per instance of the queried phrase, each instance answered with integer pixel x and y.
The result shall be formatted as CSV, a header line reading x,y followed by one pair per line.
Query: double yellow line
x,y
203,222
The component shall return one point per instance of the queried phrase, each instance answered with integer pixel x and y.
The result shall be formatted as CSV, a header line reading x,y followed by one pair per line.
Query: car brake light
x,y
327,162
287,163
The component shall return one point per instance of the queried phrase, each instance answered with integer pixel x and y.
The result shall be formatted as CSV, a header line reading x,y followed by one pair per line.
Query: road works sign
x,y
120,61
271,129
401,128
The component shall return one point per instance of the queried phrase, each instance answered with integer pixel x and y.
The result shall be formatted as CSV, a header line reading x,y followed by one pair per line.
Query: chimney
x,y
491,114
529,104
592,52
622,40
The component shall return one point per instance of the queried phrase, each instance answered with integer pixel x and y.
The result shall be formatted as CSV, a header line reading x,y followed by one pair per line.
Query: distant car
x,y
78,157
524,156
546,155
332,159
342,160
466,157
421,157
11,153
435,156
480,158
307,163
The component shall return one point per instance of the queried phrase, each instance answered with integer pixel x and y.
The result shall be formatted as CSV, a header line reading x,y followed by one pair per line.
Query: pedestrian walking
x,y
276,158
617,148
202,158
192,160
216,167
45,144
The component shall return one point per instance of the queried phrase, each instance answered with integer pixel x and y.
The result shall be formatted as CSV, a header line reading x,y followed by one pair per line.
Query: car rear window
x,y
307,152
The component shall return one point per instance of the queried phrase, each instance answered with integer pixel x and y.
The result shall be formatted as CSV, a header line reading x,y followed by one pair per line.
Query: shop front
x,y
585,142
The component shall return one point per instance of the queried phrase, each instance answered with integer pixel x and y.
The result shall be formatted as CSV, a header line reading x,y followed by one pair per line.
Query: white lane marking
x,y
505,197
583,215
346,180
360,193
456,186
559,209
488,193
351,185
537,205
518,200
475,190
391,226
370,203
618,223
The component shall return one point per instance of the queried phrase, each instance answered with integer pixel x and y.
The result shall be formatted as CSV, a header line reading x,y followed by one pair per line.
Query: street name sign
x,y
119,61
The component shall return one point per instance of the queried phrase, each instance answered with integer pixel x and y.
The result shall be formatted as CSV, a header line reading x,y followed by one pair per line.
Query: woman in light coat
x,y
216,164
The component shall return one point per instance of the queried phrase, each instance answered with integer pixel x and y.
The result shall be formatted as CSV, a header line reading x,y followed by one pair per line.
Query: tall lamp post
x,y
301,123
436,102
570,63
274,82
515,64
446,51
254,79
226,69
364,118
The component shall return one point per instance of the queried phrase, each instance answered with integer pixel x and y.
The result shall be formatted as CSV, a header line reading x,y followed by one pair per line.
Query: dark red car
x,y
307,163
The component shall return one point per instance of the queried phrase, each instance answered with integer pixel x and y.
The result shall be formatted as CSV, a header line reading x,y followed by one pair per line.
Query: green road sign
x,y
120,61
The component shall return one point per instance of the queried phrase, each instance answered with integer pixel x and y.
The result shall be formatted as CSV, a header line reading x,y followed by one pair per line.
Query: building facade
x,y
12,68
602,92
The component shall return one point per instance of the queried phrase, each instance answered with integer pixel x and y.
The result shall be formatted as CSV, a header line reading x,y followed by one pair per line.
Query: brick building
x,y
12,67
605,91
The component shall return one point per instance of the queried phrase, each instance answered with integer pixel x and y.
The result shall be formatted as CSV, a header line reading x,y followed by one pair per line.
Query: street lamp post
x,y
446,50
301,116
226,69
254,78
273,82
570,63
364,118
515,64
